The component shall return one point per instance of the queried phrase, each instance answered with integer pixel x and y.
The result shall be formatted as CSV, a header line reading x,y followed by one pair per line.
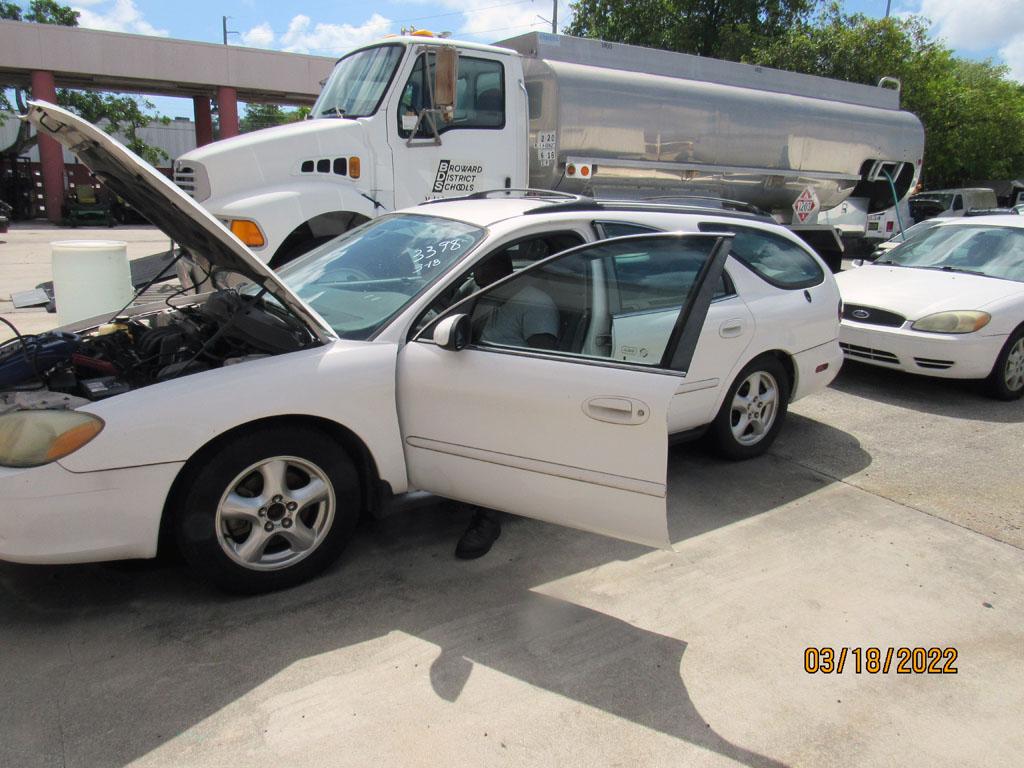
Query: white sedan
x,y
442,349
949,302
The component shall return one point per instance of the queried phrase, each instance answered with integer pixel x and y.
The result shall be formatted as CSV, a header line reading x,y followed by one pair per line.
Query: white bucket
x,y
90,277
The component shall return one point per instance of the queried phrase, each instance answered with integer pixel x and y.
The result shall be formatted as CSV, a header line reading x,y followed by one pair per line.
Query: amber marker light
x,y
353,168
248,232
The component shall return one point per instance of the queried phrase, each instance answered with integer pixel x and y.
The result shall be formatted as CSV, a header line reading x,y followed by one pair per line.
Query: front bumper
x,y
51,515
945,355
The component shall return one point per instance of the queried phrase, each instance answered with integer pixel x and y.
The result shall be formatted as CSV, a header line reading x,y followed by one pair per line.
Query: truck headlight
x,y
34,438
957,321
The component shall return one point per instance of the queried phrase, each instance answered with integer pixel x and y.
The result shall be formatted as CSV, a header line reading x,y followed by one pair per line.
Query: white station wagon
x,y
443,348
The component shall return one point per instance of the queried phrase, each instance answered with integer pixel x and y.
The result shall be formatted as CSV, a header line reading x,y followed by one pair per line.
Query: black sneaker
x,y
482,532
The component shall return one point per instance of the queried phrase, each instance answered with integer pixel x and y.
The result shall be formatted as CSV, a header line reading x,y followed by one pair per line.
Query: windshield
x,y
910,232
357,85
360,280
985,250
934,198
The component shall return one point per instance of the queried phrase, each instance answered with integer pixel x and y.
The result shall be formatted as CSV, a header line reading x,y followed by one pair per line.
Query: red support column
x,y
51,156
204,123
227,106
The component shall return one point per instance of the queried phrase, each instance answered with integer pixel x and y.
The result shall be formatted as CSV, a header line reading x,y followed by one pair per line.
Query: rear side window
x,y
777,260
606,229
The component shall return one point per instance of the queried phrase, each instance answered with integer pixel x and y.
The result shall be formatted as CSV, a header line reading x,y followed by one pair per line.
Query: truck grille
x,y
185,177
867,353
872,316
938,365
191,178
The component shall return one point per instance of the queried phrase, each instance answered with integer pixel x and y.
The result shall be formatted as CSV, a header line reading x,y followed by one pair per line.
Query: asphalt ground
x,y
888,514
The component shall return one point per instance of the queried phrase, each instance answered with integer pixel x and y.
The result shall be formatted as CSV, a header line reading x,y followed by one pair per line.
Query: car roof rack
x,y
708,201
742,211
520,193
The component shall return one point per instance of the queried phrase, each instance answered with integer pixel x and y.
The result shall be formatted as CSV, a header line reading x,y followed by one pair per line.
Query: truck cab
x,y
378,138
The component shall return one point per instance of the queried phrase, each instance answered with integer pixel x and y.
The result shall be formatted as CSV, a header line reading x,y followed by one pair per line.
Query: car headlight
x,y
957,321
33,438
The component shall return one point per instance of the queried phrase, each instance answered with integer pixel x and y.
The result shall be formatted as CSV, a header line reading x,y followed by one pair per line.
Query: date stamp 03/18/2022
x,y
873,660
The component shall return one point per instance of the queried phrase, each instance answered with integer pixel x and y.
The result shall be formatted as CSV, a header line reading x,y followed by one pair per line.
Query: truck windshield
x,y
980,249
357,85
363,278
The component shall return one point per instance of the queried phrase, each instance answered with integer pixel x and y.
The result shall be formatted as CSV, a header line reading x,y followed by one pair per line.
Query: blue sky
x,y
977,29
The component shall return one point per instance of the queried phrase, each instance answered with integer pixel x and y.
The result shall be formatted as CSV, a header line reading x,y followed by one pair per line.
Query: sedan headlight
x,y
957,321
33,438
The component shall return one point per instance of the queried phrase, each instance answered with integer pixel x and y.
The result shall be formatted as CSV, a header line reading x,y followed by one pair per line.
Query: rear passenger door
x,y
796,299
724,338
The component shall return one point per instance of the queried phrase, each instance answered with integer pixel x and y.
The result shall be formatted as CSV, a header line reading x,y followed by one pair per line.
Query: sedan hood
x,y
155,197
915,293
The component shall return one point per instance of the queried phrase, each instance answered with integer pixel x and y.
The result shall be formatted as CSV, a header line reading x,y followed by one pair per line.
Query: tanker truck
x,y
419,117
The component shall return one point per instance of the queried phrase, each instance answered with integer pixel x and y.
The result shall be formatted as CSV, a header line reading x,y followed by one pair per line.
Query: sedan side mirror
x,y
452,332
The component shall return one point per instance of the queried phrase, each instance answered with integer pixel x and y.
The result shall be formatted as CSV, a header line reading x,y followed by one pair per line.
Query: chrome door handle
x,y
617,410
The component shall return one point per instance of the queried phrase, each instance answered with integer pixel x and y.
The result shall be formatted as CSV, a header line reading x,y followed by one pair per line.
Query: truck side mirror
x,y
446,76
452,332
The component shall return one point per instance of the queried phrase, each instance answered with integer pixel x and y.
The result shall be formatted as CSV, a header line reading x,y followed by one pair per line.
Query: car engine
x,y
132,352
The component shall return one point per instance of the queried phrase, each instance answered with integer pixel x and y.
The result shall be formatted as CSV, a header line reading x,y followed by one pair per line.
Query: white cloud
x,y
334,39
116,16
260,36
1013,54
992,28
976,26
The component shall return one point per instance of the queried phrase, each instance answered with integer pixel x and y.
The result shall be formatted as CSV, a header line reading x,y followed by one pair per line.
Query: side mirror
x,y
446,76
452,332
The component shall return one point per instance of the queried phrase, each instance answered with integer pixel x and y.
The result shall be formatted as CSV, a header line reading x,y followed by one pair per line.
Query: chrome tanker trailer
x,y
419,117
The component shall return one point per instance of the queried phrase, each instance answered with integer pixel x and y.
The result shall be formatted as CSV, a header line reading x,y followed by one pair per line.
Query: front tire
x,y
753,410
271,509
1006,382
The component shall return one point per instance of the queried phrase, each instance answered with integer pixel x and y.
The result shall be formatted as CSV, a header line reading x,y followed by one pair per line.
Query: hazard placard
x,y
806,205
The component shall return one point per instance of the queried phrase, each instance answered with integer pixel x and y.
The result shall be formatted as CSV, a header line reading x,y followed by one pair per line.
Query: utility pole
x,y
554,17
224,27
888,7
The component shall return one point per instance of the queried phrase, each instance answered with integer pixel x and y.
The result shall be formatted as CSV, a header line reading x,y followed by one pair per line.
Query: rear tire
x,y
1006,382
271,509
753,410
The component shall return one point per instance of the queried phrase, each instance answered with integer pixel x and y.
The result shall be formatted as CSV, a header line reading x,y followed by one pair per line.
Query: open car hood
x,y
162,203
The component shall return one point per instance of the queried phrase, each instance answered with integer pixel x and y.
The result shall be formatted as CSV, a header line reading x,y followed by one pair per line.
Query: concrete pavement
x,y
563,648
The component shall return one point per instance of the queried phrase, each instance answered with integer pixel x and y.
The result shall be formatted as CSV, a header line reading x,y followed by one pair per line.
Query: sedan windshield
x,y
357,85
360,280
982,249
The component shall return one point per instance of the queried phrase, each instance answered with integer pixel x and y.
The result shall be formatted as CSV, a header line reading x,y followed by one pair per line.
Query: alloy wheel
x,y
275,513
1013,371
754,408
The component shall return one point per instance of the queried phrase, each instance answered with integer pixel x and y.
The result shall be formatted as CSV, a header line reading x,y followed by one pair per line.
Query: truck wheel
x,y
1006,382
270,510
753,410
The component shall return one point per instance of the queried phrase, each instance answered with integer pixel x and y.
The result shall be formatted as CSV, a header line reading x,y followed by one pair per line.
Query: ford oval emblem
x,y
861,314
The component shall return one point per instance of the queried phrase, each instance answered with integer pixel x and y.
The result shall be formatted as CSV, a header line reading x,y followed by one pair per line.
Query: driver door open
x,y
575,433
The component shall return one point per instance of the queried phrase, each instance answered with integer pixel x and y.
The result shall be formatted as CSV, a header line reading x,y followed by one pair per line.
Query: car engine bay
x,y
62,369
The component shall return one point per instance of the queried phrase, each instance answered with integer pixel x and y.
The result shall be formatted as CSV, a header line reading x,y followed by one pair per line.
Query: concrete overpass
x,y
47,57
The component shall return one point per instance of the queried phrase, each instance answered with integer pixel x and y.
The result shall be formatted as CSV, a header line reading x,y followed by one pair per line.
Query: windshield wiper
x,y
948,268
332,112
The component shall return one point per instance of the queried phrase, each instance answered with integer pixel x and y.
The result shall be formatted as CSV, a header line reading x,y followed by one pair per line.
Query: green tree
x,y
122,114
973,115
257,116
724,29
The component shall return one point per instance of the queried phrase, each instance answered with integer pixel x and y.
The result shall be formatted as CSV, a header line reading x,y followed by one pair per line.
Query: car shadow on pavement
x,y
104,664
956,398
